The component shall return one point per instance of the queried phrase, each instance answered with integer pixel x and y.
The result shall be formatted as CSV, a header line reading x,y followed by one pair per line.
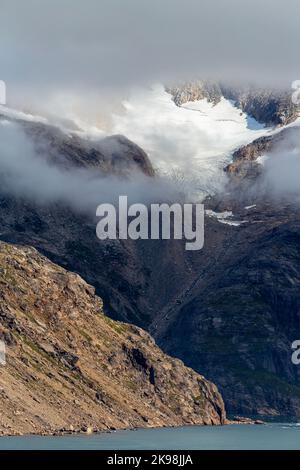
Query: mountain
x,y
195,91
112,155
71,368
229,311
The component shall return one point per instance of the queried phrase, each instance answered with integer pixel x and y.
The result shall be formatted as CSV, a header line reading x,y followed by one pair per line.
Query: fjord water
x,y
234,437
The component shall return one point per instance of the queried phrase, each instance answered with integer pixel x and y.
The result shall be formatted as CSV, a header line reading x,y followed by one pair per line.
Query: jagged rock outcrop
x,y
244,160
70,368
194,91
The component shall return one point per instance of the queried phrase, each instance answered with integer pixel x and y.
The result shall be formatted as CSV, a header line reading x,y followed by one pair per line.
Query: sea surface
x,y
270,436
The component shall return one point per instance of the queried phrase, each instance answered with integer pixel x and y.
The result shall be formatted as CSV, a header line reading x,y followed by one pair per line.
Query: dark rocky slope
x,y
238,318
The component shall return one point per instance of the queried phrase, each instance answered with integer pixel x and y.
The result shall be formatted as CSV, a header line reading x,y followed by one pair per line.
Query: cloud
x,y
92,46
26,174
282,168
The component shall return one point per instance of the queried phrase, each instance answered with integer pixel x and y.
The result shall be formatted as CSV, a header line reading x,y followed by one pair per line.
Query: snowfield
x,y
193,142
223,217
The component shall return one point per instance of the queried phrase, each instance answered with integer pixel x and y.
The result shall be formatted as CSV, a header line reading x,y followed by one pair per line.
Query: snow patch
x,y
223,217
218,215
234,223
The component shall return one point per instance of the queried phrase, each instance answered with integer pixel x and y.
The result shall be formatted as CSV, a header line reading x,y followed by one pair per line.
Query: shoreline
x,y
88,431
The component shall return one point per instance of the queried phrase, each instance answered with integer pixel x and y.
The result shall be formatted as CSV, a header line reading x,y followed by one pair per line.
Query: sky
x,y
105,46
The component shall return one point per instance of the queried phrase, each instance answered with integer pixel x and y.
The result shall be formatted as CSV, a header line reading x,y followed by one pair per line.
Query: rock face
x,y
194,91
69,367
244,160
271,107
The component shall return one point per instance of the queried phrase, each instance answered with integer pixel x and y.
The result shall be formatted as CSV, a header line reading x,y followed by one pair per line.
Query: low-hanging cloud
x,y
282,169
26,174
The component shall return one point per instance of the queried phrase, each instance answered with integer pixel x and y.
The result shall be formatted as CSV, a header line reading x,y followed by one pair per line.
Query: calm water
x,y
270,436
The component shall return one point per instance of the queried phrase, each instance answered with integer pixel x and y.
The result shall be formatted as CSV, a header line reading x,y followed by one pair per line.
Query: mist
x,y
282,169
29,175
